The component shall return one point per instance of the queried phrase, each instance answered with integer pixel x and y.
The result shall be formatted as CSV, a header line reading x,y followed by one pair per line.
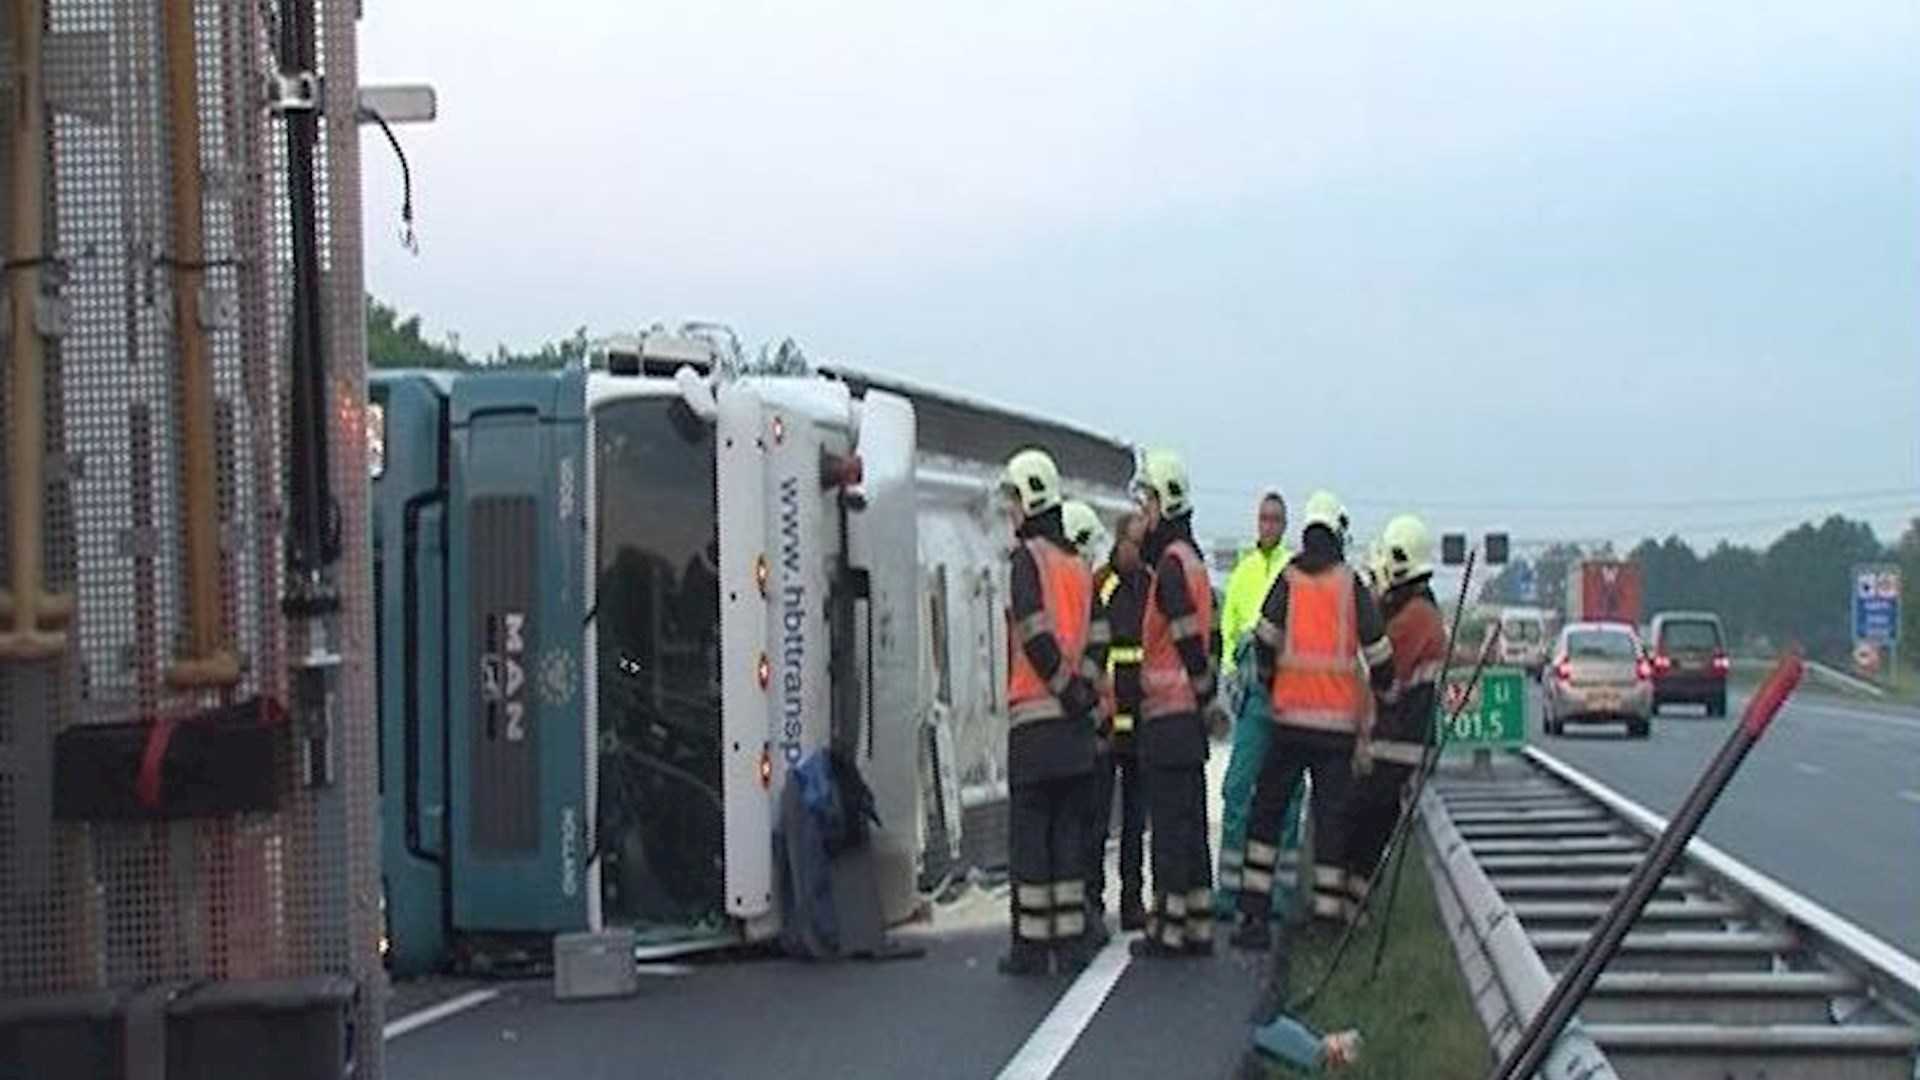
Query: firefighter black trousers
x,y
1046,856
1117,772
1175,759
1293,753
1374,810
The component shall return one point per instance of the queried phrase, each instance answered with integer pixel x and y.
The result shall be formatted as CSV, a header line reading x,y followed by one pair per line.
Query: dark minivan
x,y
1689,660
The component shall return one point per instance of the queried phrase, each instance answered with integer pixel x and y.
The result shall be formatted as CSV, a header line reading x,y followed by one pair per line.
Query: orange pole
x,y
208,663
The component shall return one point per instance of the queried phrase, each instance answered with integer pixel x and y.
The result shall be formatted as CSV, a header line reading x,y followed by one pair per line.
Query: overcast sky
x,y
1575,270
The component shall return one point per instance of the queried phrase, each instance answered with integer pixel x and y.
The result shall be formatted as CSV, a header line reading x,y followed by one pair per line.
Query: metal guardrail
x,y
1841,679
1893,976
1727,973
1832,676
1506,976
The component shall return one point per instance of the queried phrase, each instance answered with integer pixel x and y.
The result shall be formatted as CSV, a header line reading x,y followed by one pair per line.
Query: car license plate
x,y
1604,699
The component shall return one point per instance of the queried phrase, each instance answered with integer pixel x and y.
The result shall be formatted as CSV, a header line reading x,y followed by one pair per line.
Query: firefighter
x,y
1052,698
1120,594
1252,577
1317,625
1082,526
1177,687
1083,530
1404,711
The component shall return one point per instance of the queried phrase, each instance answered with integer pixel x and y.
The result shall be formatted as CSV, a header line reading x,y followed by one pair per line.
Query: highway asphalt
x,y
947,1013
1828,803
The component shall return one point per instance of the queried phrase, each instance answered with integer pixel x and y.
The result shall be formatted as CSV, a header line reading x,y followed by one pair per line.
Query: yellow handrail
x,y
33,613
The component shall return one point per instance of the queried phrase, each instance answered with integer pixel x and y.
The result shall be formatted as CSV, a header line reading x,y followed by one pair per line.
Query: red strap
x,y
158,736
148,787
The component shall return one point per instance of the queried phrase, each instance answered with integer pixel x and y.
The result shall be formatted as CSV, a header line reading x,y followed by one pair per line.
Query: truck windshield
x,y
657,665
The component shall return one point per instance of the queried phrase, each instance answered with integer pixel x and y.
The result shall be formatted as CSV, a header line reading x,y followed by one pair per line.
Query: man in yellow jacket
x,y
1247,589
1252,578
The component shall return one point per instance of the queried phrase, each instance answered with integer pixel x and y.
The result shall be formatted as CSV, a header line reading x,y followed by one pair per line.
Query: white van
x,y
1523,638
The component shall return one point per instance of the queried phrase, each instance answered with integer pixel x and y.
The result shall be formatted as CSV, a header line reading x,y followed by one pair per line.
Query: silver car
x,y
1598,673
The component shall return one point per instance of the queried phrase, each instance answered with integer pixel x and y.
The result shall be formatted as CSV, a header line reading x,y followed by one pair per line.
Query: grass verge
x,y
1415,1016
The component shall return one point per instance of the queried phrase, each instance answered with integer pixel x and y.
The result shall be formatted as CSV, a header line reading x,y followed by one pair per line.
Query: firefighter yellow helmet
x,y
1031,482
1164,476
1082,526
1325,509
1407,549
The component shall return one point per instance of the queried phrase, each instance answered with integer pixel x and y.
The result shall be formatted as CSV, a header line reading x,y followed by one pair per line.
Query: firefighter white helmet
x,y
1031,482
1376,566
1164,476
1325,509
1407,548
1082,526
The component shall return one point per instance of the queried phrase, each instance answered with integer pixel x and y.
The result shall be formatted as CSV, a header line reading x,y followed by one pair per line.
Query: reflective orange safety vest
x,y
1067,588
1316,679
1165,689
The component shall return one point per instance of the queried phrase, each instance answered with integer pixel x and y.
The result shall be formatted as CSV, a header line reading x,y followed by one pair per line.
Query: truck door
x,y
409,519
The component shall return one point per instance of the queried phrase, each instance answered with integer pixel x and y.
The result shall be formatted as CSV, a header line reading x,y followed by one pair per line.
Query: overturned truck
x,y
620,603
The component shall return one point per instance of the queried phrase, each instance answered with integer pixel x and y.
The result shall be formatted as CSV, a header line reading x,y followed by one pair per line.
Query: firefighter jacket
x,y
1405,710
1317,627
1177,676
1119,607
1052,699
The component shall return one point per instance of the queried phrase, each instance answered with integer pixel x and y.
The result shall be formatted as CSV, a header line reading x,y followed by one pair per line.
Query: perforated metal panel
x,y
287,893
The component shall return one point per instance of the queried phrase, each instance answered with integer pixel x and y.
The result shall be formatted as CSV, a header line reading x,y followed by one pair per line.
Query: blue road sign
x,y
1524,580
1876,604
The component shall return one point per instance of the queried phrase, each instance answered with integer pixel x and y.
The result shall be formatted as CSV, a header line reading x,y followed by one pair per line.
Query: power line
x,y
1891,497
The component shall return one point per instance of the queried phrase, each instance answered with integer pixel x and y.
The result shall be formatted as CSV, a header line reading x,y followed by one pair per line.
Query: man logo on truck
x,y
503,674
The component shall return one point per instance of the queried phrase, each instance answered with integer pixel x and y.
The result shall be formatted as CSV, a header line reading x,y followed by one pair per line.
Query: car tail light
x,y
1662,662
1643,669
1564,670
1720,663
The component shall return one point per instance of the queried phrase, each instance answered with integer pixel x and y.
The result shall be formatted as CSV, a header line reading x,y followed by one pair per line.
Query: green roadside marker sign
x,y
1496,715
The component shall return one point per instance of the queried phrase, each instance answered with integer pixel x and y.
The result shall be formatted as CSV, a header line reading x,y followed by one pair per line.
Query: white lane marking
x,y
433,1014
1911,796
1049,1044
1810,770
1895,721
665,970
